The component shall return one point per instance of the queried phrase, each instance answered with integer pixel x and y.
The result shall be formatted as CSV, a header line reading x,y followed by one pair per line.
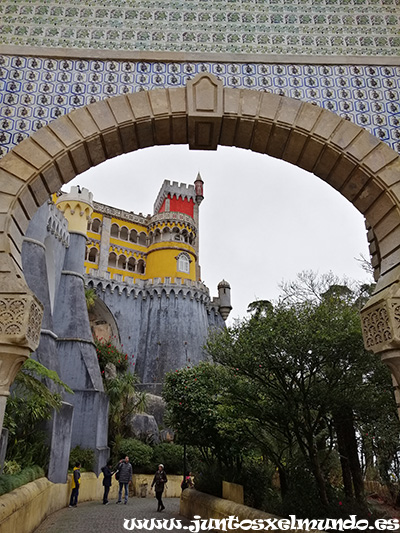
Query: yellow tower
x,y
77,207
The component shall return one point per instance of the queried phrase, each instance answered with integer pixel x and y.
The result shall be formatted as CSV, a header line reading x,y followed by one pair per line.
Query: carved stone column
x,y
20,321
381,327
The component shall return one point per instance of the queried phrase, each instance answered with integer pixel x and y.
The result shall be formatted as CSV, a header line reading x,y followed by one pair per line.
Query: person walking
x,y
76,482
159,481
107,480
124,473
187,482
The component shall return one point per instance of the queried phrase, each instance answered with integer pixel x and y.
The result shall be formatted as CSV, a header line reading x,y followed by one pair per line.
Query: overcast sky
x,y
262,221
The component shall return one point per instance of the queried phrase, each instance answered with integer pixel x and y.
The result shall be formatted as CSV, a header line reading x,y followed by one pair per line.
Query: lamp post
x,y
184,446
184,462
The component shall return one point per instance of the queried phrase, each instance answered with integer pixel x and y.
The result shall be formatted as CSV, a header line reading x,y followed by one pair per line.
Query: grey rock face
x,y
155,406
110,371
145,427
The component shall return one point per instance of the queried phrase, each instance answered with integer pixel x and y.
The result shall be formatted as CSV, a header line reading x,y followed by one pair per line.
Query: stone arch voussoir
x,y
205,115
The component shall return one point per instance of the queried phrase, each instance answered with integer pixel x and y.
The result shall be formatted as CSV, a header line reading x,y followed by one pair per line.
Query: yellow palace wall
x,y
162,260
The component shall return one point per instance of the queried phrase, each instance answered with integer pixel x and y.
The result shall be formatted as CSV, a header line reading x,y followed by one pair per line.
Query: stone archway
x,y
203,115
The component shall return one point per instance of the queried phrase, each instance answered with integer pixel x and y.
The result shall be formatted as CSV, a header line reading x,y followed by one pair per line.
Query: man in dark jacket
x,y
124,472
107,473
159,481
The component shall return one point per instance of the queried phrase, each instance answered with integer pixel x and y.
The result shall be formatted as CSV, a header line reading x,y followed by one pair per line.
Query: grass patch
x,y
9,482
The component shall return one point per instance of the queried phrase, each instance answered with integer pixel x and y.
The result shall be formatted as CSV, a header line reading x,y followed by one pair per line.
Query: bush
x,y
208,478
85,456
9,482
108,353
170,455
139,453
11,467
256,478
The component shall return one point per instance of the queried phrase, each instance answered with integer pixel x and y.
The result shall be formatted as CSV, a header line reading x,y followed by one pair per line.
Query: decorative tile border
x,y
34,90
323,27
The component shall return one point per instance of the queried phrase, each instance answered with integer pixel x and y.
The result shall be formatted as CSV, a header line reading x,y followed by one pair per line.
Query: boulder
x,y
167,435
145,428
110,371
155,406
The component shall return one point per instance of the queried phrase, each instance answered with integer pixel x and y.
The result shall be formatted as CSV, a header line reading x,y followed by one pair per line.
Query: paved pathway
x,y
94,517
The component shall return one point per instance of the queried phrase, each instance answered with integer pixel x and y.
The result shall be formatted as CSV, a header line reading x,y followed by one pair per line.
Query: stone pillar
x,y
20,319
3,448
381,328
60,443
104,245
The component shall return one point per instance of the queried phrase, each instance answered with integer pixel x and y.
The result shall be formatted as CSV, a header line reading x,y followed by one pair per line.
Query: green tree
x,y
197,412
303,378
121,388
90,297
31,403
124,402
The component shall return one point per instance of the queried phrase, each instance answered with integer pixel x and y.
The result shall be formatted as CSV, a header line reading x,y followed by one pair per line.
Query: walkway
x,y
94,517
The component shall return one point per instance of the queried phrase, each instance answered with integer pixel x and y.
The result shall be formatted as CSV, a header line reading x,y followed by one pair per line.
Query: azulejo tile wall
x,y
36,90
324,27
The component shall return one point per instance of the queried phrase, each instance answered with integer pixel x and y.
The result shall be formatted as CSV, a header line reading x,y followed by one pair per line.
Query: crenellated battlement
x,y
174,188
57,224
156,288
115,212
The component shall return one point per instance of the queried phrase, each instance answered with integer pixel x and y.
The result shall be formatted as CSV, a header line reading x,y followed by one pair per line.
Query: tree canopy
x,y
295,382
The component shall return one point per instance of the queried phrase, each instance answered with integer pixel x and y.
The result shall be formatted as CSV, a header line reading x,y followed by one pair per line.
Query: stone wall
x,y
326,27
25,508
162,327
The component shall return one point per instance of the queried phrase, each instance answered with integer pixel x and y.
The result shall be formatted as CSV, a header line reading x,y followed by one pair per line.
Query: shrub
x,y
108,353
85,456
208,479
139,453
9,482
11,467
170,455
256,478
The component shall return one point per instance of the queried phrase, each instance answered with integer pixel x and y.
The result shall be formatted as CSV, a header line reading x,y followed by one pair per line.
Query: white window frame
x,y
183,263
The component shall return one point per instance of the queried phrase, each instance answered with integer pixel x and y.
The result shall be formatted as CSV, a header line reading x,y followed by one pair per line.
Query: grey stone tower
x,y
76,352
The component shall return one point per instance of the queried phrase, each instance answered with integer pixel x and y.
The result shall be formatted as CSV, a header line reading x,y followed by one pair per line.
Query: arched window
x,y
93,255
157,236
96,223
131,264
123,234
166,234
133,236
140,266
183,263
112,260
114,231
122,262
142,239
176,234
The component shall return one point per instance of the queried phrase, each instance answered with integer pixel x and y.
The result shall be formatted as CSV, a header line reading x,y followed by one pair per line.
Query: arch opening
x,y
362,168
